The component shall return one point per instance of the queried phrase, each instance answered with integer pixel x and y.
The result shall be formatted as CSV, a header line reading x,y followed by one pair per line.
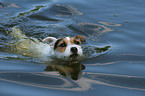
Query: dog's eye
x,y
62,45
77,42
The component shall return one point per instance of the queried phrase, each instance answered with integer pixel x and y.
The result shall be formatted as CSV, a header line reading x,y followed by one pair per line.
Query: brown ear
x,y
81,38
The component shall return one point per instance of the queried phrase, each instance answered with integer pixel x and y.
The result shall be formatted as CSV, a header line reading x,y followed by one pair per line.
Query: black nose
x,y
74,50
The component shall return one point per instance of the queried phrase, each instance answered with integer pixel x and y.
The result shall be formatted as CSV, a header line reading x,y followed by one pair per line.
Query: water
x,y
119,71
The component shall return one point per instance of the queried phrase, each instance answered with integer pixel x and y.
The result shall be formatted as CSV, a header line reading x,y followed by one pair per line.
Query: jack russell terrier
x,y
65,49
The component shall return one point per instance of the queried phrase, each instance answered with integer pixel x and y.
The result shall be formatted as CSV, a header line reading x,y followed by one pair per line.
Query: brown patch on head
x,y
75,40
61,45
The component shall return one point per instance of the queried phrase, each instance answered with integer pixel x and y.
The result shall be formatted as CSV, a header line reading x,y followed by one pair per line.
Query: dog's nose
x,y
74,50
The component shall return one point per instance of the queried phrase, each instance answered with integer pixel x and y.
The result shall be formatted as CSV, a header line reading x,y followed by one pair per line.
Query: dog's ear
x,y
49,40
81,38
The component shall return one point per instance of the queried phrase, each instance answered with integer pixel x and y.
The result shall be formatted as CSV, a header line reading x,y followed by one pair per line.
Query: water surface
x,y
119,71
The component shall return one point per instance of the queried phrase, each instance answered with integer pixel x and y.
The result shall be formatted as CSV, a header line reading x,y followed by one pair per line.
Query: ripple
x,y
91,52
2,5
120,81
43,18
29,12
65,10
109,23
41,79
91,30
52,81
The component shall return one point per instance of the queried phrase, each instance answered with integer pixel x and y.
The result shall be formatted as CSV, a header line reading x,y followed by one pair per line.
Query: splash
x,y
95,51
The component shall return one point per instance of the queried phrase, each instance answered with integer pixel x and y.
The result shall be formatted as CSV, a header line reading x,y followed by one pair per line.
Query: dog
x,y
66,48
49,49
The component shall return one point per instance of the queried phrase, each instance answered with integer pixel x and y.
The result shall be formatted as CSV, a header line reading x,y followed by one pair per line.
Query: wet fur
x,y
48,49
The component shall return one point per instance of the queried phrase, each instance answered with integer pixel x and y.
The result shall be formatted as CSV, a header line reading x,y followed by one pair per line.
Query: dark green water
x,y
117,23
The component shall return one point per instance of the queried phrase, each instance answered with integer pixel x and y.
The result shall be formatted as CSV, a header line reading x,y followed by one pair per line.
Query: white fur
x,y
66,54
50,40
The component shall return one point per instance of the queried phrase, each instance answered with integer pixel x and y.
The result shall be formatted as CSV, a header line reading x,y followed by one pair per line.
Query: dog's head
x,y
67,48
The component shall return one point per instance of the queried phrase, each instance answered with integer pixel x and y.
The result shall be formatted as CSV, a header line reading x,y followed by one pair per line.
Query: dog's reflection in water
x,y
72,70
